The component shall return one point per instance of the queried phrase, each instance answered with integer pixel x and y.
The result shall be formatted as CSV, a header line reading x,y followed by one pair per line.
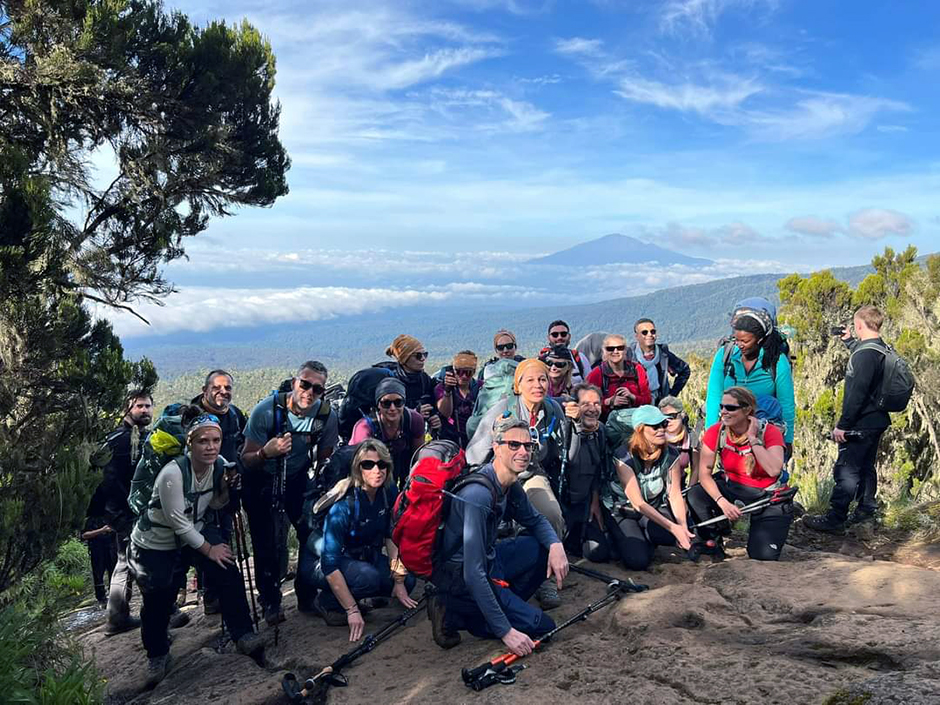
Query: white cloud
x,y
688,97
514,115
683,238
813,226
877,223
891,128
699,16
579,46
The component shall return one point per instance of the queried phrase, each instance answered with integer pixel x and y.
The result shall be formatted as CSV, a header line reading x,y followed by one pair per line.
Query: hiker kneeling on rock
x,y
484,585
168,539
747,455
358,524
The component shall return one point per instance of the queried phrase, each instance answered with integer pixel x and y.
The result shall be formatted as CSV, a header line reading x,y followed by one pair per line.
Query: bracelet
x,y
352,610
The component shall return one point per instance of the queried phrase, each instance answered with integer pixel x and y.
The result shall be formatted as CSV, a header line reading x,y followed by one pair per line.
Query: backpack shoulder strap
x,y
279,404
726,365
478,478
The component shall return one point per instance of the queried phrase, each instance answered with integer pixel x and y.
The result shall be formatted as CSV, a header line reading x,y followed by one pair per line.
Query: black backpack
x,y
897,380
360,397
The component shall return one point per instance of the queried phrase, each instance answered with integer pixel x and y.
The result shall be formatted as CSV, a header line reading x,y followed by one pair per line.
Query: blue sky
x,y
767,135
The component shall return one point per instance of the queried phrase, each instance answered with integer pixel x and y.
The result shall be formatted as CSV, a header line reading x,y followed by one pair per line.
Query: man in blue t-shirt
x,y
485,585
299,429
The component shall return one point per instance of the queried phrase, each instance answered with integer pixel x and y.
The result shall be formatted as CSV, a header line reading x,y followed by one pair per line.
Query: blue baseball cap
x,y
647,415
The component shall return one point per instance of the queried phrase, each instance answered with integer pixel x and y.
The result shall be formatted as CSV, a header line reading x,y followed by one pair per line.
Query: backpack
x,y
166,441
360,397
497,385
422,508
629,371
186,470
619,427
763,310
897,380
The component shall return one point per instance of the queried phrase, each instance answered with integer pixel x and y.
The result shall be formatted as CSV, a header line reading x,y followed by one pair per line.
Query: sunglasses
x,y
559,334
516,445
421,355
672,416
730,407
464,373
615,348
506,346
370,464
307,386
558,364
651,331
661,424
389,403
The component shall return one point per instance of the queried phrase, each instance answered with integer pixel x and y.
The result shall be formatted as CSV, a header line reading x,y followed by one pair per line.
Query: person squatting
x,y
583,451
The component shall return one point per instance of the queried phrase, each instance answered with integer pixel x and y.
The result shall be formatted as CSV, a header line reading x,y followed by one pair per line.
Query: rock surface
x,y
814,628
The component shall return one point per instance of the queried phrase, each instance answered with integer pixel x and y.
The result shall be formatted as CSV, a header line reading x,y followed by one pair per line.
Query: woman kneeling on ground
x,y
748,463
167,539
352,565
644,503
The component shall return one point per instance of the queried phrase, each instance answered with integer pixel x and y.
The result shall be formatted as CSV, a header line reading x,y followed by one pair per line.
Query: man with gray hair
x,y
484,585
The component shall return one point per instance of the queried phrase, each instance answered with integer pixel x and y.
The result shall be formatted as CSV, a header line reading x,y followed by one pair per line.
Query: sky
x,y
440,144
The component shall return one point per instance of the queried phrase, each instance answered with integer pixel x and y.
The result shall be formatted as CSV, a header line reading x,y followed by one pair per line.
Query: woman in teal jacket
x,y
758,362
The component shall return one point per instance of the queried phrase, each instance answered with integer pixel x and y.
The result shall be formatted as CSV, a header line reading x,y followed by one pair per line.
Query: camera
x,y
837,330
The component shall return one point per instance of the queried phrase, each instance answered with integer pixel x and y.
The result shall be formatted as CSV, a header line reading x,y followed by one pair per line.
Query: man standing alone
x,y
860,426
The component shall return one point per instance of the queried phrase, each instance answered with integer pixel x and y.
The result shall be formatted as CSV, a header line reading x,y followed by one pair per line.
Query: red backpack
x,y
422,507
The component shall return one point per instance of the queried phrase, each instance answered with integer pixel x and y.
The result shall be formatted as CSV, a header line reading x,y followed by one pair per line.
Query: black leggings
x,y
769,527
624,538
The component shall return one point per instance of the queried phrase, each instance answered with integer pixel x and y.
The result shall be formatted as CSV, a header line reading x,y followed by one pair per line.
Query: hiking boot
x,y
126,625
858,517
333,618
250,644
157,668
212,606
274,614
437,613
824,523
178,619
547,596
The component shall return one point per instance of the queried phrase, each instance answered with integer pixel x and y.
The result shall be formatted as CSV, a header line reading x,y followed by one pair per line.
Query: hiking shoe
x,y
274,614
179,619
333,618
437,613
157,668
824,523
367,604
250,644
112,628
548,596
861,518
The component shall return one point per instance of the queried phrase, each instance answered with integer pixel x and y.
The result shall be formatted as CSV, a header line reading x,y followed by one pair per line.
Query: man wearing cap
x,y
547,422
299,429
411,356
168,539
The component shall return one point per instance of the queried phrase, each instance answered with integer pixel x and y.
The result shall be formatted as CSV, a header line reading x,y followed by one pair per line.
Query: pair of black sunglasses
x,y
505,346
516,445
651,331
560,364
559,333
615,348
307,386
730,407
389,403
370,464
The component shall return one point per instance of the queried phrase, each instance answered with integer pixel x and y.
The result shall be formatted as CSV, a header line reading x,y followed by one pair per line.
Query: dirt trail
x,y
732,632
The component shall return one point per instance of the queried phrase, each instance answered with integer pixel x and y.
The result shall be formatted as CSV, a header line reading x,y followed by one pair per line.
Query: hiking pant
x,y
522,563
122,581
634,537
539,491
102,550
363,578
855,476
257,498
584,537
158,575
769,526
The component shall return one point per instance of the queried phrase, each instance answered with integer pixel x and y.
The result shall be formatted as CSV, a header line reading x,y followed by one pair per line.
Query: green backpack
x,y
496,386
166,442
619,427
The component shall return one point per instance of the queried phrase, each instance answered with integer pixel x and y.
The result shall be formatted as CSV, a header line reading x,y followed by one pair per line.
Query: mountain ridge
x,y
616,248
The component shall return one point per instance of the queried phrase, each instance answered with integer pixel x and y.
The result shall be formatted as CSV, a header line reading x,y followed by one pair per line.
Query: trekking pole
x,y
778,497
317,687
626,584
280,481
488,673
241,553
567,431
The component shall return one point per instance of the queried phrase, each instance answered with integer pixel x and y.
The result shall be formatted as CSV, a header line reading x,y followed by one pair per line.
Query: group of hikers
x,y
583,451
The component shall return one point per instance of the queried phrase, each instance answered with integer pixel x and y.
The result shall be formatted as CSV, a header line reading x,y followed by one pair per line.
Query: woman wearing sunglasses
x,y
504,344
622,381
679,436
357,527
748,458
560,368
456,396
411,357
399,428
643,505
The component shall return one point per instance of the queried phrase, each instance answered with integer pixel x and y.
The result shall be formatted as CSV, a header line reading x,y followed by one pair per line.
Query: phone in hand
x,y
837,330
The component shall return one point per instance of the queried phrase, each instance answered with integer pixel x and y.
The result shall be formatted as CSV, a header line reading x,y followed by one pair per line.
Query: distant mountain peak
x,y
618,249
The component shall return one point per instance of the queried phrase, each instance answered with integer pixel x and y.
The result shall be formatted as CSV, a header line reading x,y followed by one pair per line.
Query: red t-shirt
x,y
733,456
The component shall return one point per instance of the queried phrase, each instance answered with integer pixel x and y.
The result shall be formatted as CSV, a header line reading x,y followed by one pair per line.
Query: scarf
x,y
651,366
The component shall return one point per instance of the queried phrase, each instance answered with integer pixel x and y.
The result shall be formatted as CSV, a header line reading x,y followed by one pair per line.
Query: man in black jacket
x,y
855,474
126,443
658,361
